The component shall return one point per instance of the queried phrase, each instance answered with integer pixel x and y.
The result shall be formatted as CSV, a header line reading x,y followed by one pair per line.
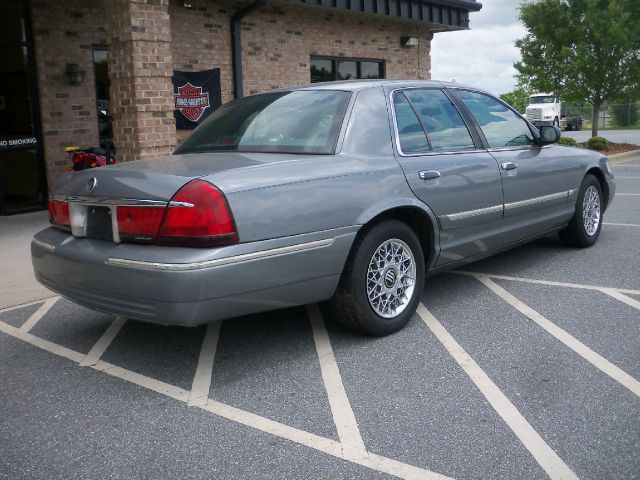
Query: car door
x,y
446,169
534,177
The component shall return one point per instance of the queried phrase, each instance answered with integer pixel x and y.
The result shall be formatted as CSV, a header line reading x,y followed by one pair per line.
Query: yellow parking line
x,y
622,224
202,379
375,462
41,312
597,360
103,342
542,282
546,457
343,416
623,298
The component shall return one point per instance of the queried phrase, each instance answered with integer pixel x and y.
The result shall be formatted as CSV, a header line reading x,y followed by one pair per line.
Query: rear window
x,y
302,121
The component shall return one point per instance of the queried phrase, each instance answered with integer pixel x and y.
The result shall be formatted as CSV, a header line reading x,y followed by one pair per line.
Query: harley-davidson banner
x,y
196,95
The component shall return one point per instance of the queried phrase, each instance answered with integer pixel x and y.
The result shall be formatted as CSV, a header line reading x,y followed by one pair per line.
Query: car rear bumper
x,y
191,286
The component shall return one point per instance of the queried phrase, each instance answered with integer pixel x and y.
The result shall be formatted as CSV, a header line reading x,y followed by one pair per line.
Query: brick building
x,y
65,60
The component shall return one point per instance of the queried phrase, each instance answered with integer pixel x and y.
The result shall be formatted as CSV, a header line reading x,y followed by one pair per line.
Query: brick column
x,y
140,69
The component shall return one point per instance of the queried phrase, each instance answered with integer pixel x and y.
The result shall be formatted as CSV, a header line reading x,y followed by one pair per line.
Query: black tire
x,y
350,305
576,234
556,122
568,127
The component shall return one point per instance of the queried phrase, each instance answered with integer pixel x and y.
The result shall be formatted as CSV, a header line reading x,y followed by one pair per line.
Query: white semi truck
x,y
547,109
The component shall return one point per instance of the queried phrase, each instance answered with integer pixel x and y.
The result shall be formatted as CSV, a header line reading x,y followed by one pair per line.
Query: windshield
x,y
302,121
542,99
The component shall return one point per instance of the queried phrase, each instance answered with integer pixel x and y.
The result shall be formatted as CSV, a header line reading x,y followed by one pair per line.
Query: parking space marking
x,y
622,162
628,178
598,361
546,457
622,224
38,314
199,394
343,416
628,194
623,298
330,447
542,282
42,343
103,342
23,305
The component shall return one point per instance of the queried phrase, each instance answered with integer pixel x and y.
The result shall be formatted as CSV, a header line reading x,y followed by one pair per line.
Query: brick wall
x,y
65,32
149,38
140,70
202,40
278,42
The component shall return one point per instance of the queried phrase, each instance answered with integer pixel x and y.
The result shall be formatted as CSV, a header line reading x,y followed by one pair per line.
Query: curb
x,y
625,155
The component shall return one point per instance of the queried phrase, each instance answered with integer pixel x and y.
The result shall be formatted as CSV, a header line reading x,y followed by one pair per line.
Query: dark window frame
x,y
382,65
465,115
29,44
470,118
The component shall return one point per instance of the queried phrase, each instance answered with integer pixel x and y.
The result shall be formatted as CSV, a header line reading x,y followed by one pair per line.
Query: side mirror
x,y
549,134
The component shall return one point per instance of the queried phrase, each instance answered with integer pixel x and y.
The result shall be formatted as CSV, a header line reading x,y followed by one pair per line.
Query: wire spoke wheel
x,y
591,211
391,278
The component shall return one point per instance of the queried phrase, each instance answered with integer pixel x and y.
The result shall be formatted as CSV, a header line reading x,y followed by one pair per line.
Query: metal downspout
x,y
236,44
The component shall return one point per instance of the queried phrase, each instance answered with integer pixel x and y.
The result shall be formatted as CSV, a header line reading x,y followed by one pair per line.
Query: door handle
x,y
509,165
429,174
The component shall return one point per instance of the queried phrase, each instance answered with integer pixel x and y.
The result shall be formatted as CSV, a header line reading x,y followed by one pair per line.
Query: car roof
x,y
358,85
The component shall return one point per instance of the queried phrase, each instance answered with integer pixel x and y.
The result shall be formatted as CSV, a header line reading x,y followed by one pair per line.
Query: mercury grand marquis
x,y
347,192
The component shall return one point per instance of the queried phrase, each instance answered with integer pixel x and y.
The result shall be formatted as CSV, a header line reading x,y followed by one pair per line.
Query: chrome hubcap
x,y
391,278
591,211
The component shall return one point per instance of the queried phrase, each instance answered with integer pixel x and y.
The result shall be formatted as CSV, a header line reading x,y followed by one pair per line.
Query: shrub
x,y
597,143
625,115
568,141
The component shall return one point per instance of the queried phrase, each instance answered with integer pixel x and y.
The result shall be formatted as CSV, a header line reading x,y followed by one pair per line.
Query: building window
x,y
101,74
326,69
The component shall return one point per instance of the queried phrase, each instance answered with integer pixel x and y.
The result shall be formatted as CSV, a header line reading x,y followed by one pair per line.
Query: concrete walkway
x,y
617,136
17,283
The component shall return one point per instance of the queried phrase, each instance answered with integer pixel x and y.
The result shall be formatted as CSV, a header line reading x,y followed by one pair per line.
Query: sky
x,y
484,55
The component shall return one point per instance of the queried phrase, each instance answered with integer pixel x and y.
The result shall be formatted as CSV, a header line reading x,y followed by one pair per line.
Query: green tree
x,y
582,50
518,98
625,114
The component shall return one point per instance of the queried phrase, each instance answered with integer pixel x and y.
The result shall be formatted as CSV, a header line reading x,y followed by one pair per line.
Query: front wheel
x,y
584,228
382,281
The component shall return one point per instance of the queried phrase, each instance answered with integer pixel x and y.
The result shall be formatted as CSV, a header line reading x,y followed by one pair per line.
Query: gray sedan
x,y
350,192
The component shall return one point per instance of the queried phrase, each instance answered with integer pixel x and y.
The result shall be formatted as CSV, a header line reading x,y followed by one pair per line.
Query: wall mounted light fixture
x,y
187,3
75,74
409,41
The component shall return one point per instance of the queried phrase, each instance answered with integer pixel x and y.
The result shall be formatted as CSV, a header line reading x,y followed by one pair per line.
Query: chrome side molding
x,y
245,257
534,200
509,206
46,246
474,213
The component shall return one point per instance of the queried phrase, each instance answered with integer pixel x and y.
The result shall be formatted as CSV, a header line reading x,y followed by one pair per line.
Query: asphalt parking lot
x,y
525,365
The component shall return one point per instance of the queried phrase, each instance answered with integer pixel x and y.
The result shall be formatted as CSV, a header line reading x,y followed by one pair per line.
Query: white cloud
x,y
483,56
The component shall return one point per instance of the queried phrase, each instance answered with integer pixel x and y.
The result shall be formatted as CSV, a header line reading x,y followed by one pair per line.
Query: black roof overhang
x,y
442,14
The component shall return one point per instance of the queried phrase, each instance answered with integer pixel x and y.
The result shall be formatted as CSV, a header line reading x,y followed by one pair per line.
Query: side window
x,y
500,125
441,120
410,133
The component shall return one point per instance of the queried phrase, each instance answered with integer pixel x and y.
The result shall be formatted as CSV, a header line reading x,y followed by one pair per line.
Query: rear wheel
x,y
556,122
382,281
585,225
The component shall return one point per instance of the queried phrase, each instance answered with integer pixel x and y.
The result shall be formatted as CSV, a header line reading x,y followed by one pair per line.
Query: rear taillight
x,y
198,215
59,213
139,224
